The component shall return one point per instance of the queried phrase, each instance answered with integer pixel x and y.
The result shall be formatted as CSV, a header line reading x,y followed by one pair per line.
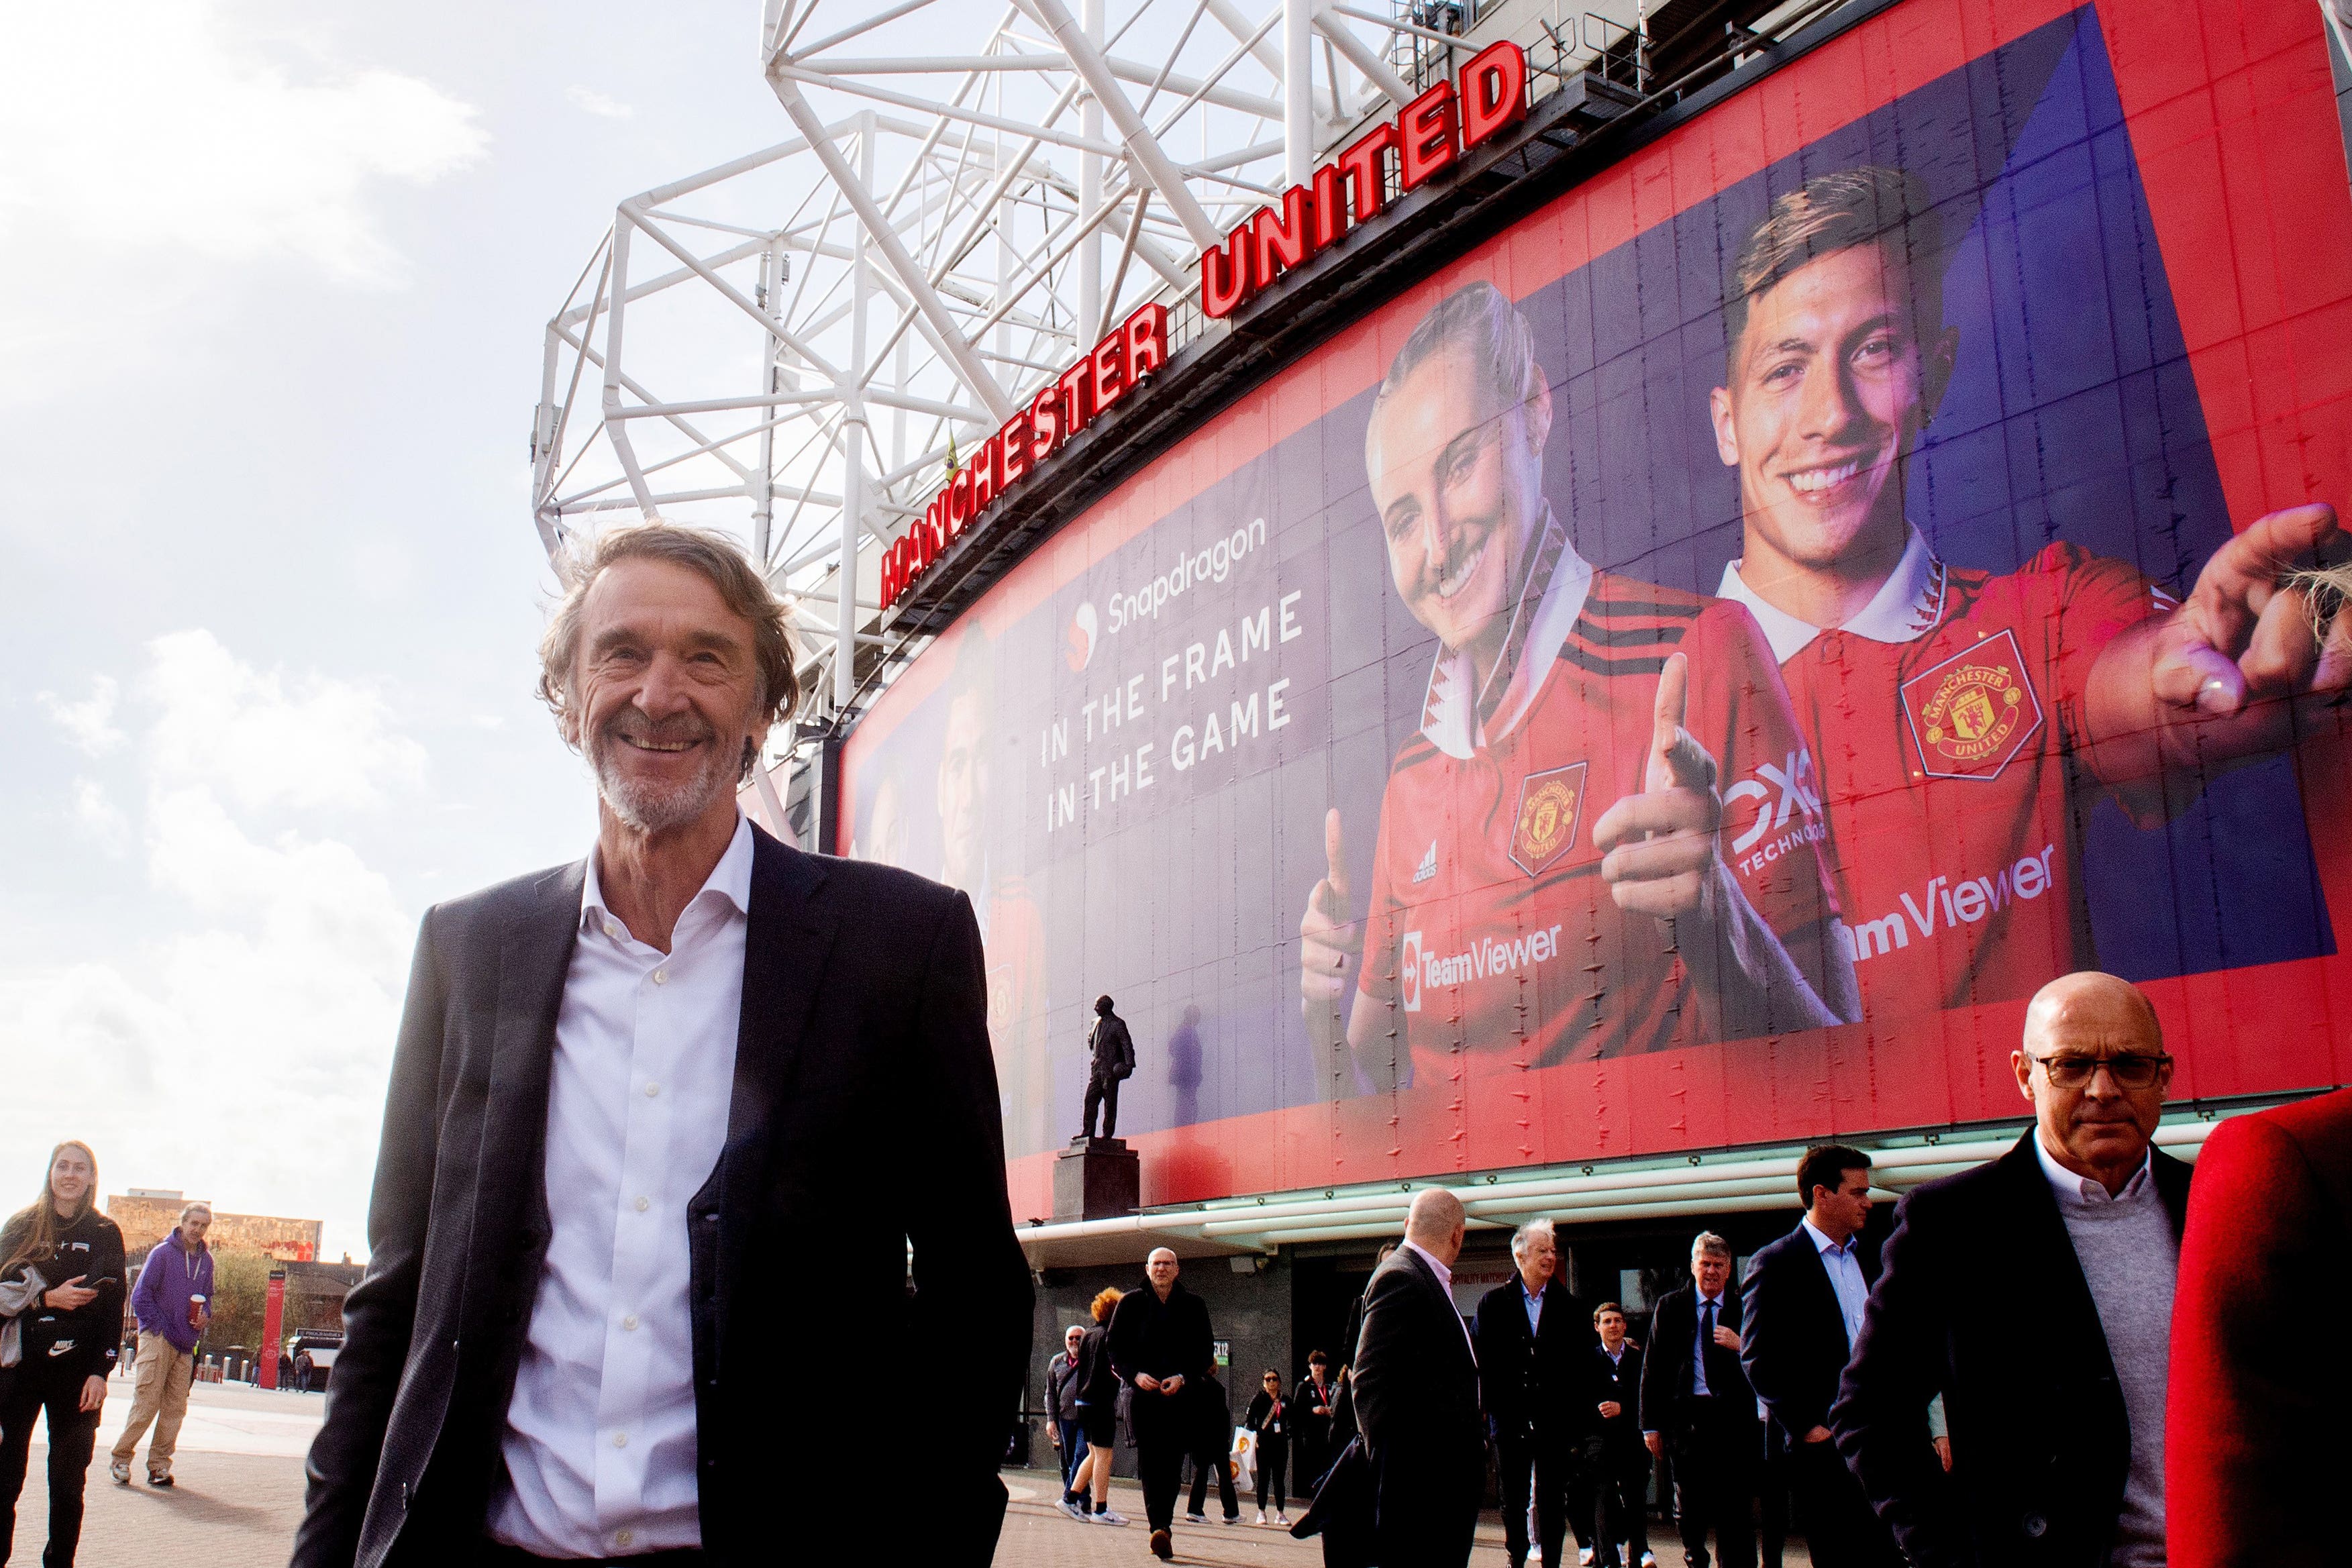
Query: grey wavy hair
x,y
715,557
1523,1237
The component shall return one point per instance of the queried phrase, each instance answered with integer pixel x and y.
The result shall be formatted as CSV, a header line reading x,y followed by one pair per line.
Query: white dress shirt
x,y
599,1441
1844,1270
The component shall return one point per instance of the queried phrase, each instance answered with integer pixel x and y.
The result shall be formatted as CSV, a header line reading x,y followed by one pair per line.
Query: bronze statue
x,y
1113,1050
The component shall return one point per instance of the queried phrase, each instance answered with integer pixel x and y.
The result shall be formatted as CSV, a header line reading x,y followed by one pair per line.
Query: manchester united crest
x,y
1545,824
1972,714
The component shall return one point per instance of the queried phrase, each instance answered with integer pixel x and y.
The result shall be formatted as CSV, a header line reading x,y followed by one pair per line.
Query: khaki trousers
x,y
159,1393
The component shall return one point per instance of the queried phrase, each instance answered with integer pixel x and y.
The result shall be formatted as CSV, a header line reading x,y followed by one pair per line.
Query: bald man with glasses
x,y
2035,1294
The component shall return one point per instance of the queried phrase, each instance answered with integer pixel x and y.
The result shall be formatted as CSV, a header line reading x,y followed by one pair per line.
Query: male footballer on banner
x,y
1554,878
1942,704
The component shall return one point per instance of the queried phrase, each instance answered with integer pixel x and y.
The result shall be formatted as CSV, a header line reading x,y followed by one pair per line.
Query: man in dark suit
x,y
1416,1396
1622,1471
623,1098
2035,1294
1160,1344
1535,1344
1697,1405
1802,1304
2264,1442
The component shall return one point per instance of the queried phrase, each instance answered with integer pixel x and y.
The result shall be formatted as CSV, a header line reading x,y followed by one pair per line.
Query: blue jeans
x,y
1074,1448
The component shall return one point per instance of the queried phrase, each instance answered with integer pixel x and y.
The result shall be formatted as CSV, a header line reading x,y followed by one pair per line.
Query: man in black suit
x,y
1697,1405
1622,1471
1802,1302
1416,1396
623,1096
2035,1294
1535,1344
1160,1344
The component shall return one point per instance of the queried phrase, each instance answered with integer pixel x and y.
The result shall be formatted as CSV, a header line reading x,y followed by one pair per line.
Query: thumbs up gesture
x,y
1331,942
1658,848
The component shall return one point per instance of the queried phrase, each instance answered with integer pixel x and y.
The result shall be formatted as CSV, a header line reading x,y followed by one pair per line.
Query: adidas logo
x,y
1428,867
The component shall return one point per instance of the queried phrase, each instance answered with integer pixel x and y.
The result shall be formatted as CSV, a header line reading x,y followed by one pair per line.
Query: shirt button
x,y
623,1537
612,928
652,1089
620,1439
629,1322
661,976
644,1204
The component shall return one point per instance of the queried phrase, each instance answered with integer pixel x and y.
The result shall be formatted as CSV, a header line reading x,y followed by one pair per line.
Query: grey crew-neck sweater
x,y
2129,1259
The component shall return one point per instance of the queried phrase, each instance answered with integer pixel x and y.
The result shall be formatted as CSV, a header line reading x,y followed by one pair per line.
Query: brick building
x,y
147,1215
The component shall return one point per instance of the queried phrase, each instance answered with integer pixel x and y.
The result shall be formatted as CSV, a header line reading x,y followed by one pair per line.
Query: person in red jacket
x,y
2257,1445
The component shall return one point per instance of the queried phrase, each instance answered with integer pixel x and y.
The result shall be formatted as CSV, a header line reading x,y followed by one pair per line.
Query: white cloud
x,y
100,818
271,997
267,739
596,102
89,723
160,125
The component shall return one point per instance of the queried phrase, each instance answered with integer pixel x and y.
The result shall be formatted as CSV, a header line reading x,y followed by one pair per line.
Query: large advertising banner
x,y
1685,676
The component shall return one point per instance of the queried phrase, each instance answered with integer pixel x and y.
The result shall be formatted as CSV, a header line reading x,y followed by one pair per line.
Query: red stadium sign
x,y
1061,409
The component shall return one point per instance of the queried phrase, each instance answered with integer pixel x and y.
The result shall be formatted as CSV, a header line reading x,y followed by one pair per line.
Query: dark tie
x,y
1706,1340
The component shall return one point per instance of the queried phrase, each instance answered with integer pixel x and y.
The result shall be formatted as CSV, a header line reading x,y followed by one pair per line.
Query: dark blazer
x,y
1537,1387
1667,1379
865,1017
1167,1339
2253,1475
1794,1347
1621,1380
1980,1298
1063,1385
1417,1404
1097,1384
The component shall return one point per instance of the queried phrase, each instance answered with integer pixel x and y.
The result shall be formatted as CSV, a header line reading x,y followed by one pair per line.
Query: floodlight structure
x,y
795,345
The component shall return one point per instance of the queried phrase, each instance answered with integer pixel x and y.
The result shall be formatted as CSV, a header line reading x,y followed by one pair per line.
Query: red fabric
x,y
2257,1442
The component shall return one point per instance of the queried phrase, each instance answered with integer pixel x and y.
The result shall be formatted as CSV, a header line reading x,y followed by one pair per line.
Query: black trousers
x,y
1164,1435
1836,1519
1213,1462
1716,1456
1273,1459
27,1392
1522,1467
1102,1093
1621,1506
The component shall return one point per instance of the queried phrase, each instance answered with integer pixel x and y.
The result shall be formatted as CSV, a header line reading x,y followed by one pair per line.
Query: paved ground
x,y
239,1494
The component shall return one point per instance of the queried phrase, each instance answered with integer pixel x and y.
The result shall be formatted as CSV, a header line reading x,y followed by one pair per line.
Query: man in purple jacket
x,y
174,1302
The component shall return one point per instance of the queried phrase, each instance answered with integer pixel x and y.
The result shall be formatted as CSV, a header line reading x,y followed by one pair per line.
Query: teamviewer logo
x,y
1409,972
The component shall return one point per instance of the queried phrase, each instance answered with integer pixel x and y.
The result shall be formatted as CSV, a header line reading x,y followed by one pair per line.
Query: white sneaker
x,y
1260,1516
1196,1519
1110,1516
1282,1519
121,1470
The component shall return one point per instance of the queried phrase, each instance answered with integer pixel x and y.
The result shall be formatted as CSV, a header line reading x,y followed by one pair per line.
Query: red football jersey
x,y
1493,941
1942,719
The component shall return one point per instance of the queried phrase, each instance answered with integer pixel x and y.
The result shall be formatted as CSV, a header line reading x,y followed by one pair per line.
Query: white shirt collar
x,y
1444,1274
2084,1192
1822,1243
730,879
1909,603
1451,709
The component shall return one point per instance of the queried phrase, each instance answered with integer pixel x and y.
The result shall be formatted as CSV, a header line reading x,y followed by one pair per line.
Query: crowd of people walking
x,y
1992,1384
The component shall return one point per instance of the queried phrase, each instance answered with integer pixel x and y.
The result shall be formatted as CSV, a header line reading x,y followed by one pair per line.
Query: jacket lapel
x,y
534,958
787,935
2043,1255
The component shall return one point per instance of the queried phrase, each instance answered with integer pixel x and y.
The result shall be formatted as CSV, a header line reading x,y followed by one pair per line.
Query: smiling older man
x,y
2035,1294
625,1098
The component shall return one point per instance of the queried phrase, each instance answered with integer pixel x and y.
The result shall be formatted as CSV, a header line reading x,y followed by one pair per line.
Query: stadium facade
x,y
1168,657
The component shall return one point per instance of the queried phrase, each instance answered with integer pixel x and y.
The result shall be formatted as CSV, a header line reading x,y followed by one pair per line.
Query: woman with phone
x,y
61,1293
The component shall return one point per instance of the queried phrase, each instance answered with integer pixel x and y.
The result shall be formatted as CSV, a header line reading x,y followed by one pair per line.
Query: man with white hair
x,y
623,1097
1416,1395
1697,1405
1160,1347
172,1302
2035,1294
1535,1344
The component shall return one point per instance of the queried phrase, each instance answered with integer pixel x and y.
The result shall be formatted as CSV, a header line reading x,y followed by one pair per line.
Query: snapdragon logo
x,y
1081,651
1213,564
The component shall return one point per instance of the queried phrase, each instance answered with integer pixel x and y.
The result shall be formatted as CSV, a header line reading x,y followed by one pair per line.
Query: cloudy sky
x,y
270,319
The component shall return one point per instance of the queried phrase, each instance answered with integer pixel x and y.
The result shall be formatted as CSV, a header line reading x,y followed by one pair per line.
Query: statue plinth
x,y
1097,1178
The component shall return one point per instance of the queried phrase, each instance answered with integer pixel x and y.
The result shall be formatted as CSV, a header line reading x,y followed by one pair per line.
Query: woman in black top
x,y
1269,1417
67,1337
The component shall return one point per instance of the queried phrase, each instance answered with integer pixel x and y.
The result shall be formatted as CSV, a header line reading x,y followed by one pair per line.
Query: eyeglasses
x,y
2129,1070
